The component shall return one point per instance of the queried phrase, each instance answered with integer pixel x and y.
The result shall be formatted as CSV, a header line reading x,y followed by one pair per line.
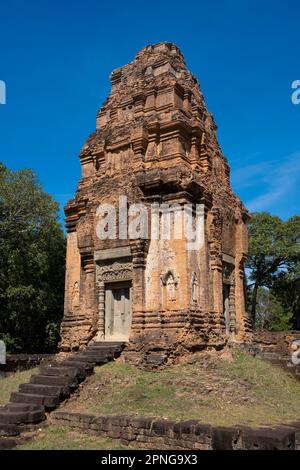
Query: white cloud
x,y
248,175
276,178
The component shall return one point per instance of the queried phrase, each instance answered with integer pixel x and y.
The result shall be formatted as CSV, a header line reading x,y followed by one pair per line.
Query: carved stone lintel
x,y
116,271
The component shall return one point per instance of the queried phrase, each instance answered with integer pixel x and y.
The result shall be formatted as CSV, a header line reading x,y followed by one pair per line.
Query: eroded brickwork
x,y
155,142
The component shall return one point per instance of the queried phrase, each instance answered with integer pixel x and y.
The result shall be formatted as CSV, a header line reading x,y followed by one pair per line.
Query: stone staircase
x,y
54,383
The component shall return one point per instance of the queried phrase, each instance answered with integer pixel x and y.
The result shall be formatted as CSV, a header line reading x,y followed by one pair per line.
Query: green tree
x,y
270,314
273,251
32,264
286,288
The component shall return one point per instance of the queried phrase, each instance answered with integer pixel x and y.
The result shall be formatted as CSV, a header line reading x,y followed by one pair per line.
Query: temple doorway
x,y
118,311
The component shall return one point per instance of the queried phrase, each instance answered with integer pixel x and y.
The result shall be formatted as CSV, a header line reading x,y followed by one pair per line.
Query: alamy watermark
x,y
295,97
2,92
151,222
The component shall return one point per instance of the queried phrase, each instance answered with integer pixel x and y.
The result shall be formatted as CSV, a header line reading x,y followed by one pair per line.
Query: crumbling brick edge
x,y
151,433
19,362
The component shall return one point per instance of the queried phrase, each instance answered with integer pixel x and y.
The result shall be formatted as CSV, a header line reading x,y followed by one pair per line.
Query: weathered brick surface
x,y
276,343
16,362
155,141
277,438
150,433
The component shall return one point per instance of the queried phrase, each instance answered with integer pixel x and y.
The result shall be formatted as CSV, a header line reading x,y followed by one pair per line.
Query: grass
x,y
11,383
63,438
247,391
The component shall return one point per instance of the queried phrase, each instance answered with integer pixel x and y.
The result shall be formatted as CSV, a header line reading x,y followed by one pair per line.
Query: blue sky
x,y
56,58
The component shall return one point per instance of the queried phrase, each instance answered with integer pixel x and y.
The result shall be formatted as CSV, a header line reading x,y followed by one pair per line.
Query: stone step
x,y
60,381
9,429
99,359
59,371
23,407
49,390
84,360
100,350
47,401
45,389
114,349
21,417
7,443
81,370
66,368
99,355
88,355
104,352
13,417
107,343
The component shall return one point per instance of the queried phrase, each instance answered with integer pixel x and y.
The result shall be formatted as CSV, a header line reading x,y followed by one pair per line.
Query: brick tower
x,y
155,145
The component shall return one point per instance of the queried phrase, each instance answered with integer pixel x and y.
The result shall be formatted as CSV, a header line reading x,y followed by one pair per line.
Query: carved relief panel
x,y
170,283
195,288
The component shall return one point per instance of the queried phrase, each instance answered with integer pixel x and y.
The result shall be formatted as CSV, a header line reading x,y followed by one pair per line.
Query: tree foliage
x,y
286,287
273,260
270,313
32,263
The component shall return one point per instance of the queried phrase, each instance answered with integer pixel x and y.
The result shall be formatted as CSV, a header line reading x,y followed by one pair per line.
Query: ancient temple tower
x,y
154,158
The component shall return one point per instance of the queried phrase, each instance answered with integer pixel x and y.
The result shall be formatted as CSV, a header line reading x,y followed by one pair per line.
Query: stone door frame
x,y
112,265
109,310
